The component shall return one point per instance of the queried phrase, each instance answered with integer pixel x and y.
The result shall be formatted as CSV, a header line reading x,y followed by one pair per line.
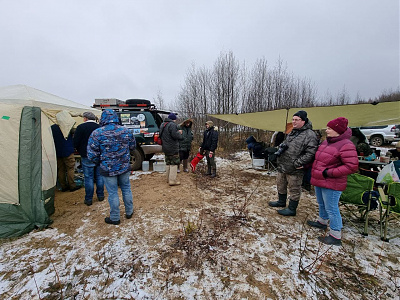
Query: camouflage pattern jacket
x,y
302,144
109,146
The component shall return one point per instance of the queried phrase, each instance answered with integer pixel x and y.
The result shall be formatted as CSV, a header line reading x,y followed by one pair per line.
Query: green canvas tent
x,y
28,165
365,114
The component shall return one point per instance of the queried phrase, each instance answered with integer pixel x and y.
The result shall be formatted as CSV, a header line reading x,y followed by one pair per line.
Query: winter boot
x,y
281,201
167,172
185,165
173,170
213,173
290,210
208,170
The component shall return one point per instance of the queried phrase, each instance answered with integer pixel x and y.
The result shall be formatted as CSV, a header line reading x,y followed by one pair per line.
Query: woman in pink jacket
x,y
336,158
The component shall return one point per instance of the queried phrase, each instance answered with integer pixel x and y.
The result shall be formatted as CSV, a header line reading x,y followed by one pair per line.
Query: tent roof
x,y
25,95
366,114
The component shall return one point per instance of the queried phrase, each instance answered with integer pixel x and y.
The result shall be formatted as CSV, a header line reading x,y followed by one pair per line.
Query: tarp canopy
x,y
365,114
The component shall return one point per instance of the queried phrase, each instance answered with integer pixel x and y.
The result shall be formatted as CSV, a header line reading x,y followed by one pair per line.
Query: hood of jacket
x,y
187,120
108,116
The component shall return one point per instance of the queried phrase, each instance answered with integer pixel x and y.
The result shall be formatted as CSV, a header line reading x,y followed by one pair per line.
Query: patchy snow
x,y
260,256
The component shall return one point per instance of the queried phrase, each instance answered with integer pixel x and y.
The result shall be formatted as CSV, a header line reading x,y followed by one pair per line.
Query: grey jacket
x,y
170,137
302,144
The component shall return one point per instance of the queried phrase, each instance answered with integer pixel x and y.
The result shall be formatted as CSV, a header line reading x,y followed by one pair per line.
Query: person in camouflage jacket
x,y
296,152
109,147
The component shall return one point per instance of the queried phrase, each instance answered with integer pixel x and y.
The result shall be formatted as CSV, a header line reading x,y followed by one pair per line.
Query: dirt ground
x,y
204,239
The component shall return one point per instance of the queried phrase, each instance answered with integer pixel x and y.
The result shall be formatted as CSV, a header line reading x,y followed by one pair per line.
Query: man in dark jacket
x,y
208,146
170,136
296,152
90,171
186,143
65,159
109,147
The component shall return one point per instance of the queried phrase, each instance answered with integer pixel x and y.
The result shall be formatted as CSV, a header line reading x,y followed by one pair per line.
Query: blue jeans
x,y
124,183
91,174
328,202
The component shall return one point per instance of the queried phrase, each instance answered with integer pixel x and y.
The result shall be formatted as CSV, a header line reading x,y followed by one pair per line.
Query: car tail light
x,y
156,136
393,129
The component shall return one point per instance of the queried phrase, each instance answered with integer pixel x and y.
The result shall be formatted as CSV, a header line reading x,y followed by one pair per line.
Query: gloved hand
x,y
325,173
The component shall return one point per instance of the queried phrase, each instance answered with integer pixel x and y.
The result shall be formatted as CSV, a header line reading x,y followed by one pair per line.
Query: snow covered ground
x,y
205,239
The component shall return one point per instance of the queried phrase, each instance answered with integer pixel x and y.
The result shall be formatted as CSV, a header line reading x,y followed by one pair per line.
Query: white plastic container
x,y
145,166
159,166
258,163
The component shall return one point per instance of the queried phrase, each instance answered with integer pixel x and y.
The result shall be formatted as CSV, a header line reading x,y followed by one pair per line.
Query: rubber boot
x,y
173,173
281,201
290,210
208,170
167,172
213,173
185,165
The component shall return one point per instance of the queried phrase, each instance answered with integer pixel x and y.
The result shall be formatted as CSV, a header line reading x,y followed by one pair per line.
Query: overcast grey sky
x,y
87,49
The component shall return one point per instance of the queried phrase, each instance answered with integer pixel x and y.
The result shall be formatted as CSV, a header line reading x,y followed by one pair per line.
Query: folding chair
x,y
358,193
389,208
270,159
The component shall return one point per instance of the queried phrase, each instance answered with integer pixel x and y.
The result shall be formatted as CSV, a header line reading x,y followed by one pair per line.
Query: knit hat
x,y
210,123
172,116
302,115
397,145
89,115
338,124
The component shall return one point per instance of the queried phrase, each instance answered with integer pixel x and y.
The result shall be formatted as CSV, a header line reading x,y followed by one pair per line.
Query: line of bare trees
x,y
228,88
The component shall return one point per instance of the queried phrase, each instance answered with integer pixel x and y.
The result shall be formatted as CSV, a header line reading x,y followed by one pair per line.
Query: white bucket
x,y
145,166
159,166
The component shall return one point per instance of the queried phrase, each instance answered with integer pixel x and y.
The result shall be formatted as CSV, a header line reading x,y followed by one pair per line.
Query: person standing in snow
x,y
208,147
90,171
170,136
109,147
335,159
186,143
294,154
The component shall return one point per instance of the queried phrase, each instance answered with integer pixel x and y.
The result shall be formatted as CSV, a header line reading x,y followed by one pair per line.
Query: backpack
x,y
158,140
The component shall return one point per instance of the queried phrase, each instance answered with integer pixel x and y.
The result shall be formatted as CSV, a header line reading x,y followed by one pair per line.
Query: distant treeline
x,y
229,88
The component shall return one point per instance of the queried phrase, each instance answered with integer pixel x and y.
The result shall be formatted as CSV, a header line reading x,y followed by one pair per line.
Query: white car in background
x,y
379,135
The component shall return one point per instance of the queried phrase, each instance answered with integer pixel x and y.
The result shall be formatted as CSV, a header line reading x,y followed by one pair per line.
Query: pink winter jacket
x,y
339,156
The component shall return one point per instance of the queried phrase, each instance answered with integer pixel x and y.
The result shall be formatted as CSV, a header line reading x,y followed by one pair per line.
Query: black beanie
x,y
302,115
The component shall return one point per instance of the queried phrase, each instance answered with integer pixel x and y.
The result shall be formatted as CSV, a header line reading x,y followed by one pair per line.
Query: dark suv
x,y
142,117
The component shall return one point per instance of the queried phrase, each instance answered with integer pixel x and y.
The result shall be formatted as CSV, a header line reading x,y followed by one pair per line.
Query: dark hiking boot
x,y
88,203
109,221
214,173
317,224
290,210
75,189
129,216
330,240
100,198
208,171
281,201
